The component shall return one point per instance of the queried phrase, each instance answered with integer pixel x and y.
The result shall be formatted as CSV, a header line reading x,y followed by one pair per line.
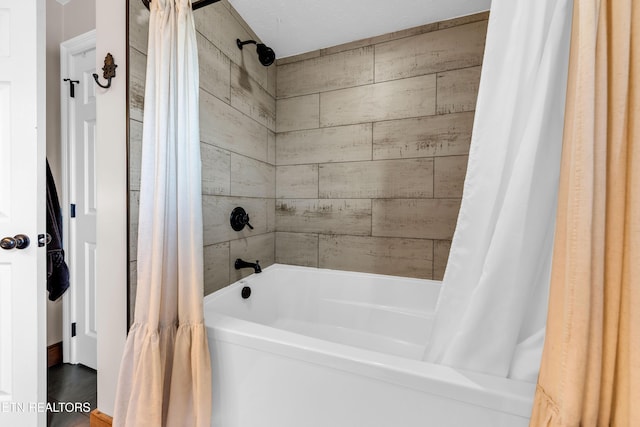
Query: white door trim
x,y
68,49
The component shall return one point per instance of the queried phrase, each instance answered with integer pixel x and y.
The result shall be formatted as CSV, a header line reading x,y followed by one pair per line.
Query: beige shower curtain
x,y
590,373
165,376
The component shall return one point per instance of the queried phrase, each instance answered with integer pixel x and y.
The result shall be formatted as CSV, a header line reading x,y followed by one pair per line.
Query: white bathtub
x,y
325,348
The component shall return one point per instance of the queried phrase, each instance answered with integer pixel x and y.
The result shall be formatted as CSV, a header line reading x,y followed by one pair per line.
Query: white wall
x,y
63,23
111,267
79,17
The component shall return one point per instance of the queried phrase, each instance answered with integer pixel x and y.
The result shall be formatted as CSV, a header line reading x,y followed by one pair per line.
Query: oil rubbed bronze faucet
x,y
244,264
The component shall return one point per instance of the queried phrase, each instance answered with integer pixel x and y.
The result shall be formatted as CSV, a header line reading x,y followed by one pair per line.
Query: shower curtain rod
x,y
195,5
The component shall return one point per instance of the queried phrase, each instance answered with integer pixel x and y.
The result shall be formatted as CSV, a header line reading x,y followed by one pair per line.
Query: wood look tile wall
x,y
372,139
324,145
350,157
397,257
346,69
238,149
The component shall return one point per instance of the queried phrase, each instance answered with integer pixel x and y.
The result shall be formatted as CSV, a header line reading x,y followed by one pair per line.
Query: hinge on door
x,y
73,329
72,88
73,210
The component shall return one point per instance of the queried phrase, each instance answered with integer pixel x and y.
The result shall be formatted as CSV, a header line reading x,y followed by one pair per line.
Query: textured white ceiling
x,y
291,27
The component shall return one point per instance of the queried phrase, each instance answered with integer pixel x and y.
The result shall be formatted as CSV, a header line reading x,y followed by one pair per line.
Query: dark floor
x,y
72,393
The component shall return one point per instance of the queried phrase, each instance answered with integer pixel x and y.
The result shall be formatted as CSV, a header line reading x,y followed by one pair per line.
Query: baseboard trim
x,y
99,419
54,354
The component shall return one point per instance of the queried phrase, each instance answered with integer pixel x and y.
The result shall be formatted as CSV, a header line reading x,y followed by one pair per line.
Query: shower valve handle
x,y
246,219
239,218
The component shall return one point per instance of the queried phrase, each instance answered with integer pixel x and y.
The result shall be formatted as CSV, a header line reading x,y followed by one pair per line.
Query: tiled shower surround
x,y
372,140
237,132
351,157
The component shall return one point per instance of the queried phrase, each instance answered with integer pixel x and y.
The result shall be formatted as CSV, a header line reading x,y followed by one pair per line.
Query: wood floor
x,y
72,394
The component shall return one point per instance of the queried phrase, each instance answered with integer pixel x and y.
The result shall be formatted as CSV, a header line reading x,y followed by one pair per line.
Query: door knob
x,y
22,241
8,243
19,241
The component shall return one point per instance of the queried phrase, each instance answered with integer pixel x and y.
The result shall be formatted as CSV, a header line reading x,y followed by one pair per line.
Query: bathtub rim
x,y
499,394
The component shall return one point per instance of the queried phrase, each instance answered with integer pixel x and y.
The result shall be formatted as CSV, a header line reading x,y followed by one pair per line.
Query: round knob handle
x,y
22,241
8,243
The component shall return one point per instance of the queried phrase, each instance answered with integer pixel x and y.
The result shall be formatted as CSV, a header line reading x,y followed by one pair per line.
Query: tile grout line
x,y
433,258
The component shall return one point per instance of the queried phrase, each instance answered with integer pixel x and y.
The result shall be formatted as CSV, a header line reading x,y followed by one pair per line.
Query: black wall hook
x,y
108,71
72,88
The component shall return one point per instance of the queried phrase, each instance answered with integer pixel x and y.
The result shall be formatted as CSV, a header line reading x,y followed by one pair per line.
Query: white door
x,y
78,59
22,211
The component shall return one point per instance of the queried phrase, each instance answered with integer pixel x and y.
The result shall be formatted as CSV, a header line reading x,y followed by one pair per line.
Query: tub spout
x,y
244,264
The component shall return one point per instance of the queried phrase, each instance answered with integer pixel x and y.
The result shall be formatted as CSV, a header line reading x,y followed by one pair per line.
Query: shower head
x,y
266,55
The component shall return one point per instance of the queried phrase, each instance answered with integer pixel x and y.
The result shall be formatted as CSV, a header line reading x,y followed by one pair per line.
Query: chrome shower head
x,y
266,55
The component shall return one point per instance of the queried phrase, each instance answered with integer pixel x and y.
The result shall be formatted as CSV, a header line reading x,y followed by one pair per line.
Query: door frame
x,y
68,49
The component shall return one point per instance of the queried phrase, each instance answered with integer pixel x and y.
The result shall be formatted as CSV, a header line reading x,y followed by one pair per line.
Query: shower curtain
x,y
165,376
491,313
590,373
